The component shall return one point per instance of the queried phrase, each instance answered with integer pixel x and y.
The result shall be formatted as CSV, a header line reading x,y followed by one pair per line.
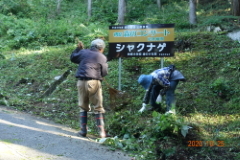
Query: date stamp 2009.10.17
x,y
196,143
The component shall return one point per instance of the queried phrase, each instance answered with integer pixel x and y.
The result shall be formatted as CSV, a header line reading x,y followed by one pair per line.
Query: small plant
x,y
221,88
158,135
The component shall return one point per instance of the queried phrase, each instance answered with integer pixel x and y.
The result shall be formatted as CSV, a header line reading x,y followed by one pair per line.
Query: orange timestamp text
x,y
206,143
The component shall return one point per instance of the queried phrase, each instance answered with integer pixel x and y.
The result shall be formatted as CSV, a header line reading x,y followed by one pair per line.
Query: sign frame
x,y
145,40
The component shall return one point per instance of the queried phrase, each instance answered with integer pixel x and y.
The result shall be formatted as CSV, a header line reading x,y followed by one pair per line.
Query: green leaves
x,y
210,63
221,87
184,130
169,124
115,143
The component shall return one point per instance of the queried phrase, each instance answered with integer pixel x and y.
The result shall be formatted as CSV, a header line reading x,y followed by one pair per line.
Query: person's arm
x,y
146,98
75,54
104,69
147,94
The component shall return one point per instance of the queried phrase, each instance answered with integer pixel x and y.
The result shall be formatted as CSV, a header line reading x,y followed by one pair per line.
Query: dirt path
x,y
27,137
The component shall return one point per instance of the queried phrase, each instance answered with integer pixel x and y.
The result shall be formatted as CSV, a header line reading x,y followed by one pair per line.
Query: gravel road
x,y
27,137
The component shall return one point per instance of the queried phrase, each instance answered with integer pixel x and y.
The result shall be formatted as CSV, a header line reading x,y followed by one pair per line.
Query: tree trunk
x,y
57,82
192,12
236,7
159,4
89,9
121,11
58,11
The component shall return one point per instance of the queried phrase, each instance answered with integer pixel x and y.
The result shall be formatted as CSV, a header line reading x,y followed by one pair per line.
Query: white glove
x,y
159,99
143,108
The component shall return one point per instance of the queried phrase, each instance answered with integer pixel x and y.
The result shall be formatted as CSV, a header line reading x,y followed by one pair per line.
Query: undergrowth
x,y
35,50
208,103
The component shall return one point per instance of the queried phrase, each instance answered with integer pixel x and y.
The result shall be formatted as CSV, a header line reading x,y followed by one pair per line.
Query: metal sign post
x,y
119,74
162,61
145,40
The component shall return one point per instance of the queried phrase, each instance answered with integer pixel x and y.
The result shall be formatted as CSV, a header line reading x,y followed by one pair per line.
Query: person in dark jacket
x,y
92,67
161,81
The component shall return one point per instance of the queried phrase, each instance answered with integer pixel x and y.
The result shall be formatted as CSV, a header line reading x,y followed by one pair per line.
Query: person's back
x,y
177,75
92,64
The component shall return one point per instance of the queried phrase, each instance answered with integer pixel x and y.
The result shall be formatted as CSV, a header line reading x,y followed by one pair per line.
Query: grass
x,y
214,117
31,58
217,127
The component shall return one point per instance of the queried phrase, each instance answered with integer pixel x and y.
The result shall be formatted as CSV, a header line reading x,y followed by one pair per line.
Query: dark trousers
x,y
153,96
170,96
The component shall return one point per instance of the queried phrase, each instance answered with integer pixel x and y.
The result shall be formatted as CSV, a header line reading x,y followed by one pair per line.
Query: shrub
x,y
221,88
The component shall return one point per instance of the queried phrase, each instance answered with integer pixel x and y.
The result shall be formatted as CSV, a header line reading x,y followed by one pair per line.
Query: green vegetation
x,y
35,45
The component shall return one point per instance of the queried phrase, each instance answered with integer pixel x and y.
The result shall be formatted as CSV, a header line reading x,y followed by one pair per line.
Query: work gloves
x,y
143,108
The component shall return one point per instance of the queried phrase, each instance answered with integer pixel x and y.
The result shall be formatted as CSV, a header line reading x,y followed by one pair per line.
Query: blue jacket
x,y
92,64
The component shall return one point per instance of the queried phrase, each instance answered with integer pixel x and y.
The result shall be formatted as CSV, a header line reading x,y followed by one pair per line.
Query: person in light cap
x,y
97,44
161,81
92,67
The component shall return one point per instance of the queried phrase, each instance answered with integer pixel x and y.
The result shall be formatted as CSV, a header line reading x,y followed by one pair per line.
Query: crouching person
x,y
162,81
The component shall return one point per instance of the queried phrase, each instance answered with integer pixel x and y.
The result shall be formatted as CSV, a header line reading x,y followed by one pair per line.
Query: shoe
x,y
170,112
157,109
81,134
151,109
108,135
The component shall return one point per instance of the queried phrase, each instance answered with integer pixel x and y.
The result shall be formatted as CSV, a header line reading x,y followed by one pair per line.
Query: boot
x,y
83,124
152,109
100,124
